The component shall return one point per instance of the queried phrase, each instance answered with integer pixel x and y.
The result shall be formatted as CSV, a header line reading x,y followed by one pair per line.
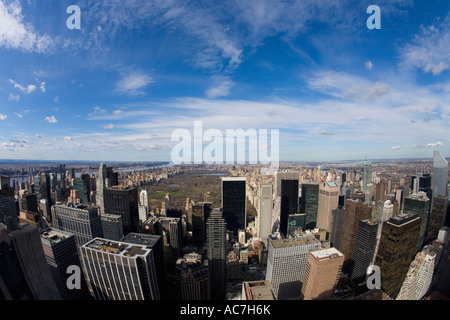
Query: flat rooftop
x,y
259,290
326,254
234,179
54,235
117,247
297,241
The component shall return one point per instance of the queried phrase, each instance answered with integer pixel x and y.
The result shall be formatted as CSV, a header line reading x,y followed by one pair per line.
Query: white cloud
x,y
42,86
433,145
395,148
15,34
132,84
68,138
14,97
369,65
220,88
19,115
3,116
51,119
108,126
25,89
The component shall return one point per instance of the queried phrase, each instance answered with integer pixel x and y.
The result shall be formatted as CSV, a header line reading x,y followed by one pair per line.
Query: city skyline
x,y
117,88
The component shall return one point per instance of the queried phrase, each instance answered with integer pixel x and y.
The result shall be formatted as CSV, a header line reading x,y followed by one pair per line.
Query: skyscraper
x,y
123,202
83,222
419,276
364,248
234,203
355,211
289,202
112,226
437,217
216,240
309,203
328,200
286,265
200,214
440,175
322,274
264,216
367,179
60,251
24,249
9,213
337,222
396,251
192,281
419,203
117,270
102,183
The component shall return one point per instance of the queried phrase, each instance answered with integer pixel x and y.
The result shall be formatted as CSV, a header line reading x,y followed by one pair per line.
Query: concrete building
x,y
419,276
117,270
83,222
328,200
322,274
286,264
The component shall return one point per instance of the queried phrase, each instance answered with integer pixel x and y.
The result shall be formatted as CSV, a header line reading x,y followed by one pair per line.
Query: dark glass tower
x,y
289,203
216,240
396,251
309,203
123,202
234,203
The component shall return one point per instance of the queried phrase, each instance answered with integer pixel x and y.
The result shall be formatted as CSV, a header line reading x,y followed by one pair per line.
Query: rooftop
x,y
326,254
297,241
54,235
259,290
117,247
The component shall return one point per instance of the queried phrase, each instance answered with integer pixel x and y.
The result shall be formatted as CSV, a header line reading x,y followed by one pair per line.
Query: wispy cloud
x,y
108,126
220,87
14,97
133,84
3,116
25,89
430,50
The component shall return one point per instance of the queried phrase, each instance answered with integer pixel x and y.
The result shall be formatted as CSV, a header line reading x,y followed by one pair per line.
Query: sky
x,y
137,71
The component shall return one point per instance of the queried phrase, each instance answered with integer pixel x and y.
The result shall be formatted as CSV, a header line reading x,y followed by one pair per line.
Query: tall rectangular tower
x,y
289,202
328,200
363,254
419,203
322,274
117,270
234,203
60,250
396,250
123,202
216,248
440,175
264,217
309,203
355,211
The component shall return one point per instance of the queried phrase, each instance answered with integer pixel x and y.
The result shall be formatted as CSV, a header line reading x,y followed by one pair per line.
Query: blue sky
x,y
136,71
